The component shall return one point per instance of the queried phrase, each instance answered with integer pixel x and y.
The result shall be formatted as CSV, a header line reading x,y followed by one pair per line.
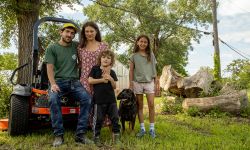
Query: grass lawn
x,y
173,132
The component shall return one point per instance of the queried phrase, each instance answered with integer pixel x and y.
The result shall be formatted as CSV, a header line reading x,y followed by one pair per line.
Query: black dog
x,y
127,108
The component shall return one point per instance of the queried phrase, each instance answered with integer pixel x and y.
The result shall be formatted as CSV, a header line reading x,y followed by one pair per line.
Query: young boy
x,y
103,79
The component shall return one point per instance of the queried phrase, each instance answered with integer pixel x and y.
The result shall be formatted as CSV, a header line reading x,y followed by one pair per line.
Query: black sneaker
x,y
58,141
97,141
81,138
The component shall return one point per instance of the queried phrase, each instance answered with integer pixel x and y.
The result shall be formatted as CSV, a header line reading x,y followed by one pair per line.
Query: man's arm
x,y
50,72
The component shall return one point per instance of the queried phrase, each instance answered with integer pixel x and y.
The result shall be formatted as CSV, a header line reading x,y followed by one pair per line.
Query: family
x,y
94,88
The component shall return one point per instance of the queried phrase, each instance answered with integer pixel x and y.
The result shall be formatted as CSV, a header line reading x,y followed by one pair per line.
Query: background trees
x,y
165,23
239,71
17,19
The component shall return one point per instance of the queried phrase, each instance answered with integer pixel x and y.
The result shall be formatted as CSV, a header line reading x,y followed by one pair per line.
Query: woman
x,y
90,47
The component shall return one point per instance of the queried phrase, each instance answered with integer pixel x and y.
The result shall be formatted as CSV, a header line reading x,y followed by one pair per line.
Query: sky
x,y
233,28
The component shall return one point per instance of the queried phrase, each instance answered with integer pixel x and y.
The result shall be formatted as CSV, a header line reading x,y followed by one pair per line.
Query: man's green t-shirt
x,y
64,59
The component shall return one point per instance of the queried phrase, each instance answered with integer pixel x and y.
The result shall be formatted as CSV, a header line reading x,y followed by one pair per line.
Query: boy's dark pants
x,y
100,110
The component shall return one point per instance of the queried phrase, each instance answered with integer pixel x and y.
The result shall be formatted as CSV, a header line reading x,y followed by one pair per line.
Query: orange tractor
x,y
29,103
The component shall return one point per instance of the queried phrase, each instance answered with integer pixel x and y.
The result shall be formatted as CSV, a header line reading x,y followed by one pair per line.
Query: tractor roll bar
x,y
35,36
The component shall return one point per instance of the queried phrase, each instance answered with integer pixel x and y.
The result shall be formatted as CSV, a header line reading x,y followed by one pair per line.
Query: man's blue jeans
x,y
74,89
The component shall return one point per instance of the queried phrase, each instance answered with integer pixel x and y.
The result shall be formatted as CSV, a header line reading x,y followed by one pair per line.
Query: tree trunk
x,y
197,83
232,103
169,79
27,13
190,87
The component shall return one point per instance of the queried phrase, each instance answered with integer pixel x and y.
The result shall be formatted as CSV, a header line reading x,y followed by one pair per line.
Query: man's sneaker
x,y
97,141
117,140
152,133
141,133
58,141
81,138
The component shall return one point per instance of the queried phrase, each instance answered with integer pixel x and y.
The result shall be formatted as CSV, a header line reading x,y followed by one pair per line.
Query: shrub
x,y
245,112
194,111
172,105
5,90
217,113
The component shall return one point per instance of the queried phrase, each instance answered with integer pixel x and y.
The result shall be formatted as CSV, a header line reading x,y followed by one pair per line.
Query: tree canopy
x,y
166,23
17,19
8,61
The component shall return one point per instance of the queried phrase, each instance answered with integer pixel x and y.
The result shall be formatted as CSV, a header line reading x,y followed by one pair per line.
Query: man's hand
x,y
55,88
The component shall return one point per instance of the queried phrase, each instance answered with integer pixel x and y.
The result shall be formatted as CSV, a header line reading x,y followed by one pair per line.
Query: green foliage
x,y
5,90
8,61
217,73
217,113
172,105
214,90
123,58
214,113
194,111
13,8
164,22
245,112
240,73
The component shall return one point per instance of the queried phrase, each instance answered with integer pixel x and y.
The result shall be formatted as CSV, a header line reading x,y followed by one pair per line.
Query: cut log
x,y
190,87
168,80
232,103
199,82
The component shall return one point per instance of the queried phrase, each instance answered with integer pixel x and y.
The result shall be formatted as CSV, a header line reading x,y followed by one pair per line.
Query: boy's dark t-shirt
x,y
103,92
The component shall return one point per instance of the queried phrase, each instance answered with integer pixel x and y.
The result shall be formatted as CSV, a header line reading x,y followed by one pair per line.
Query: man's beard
x,y
66,41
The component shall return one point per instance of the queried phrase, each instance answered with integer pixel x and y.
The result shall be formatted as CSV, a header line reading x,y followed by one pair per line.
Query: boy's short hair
x,y
69,25
106,53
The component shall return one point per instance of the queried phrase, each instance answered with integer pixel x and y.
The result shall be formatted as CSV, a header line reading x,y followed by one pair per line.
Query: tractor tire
x,y
19,115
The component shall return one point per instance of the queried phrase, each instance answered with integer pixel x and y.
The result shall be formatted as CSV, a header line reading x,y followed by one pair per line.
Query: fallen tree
x,y
190,87
232,103
227,99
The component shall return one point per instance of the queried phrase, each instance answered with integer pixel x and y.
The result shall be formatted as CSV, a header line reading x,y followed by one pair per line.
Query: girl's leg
x,y
139,98
151,107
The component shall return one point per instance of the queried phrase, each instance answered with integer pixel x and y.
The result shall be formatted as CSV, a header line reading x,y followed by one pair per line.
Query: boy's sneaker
x,y
81,138
141,133
97,141
58,141
152,133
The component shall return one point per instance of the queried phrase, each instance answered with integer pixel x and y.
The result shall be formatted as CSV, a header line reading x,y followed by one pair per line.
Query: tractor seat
x,y
44,85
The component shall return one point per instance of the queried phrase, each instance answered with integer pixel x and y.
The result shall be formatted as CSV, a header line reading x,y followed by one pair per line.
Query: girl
x,y
142,75
104,84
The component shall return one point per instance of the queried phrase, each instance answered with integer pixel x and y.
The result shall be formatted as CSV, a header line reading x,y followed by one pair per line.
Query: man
x,y
62,70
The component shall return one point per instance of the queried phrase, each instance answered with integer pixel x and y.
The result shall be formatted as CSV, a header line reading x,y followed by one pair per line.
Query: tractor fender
x,y
21,90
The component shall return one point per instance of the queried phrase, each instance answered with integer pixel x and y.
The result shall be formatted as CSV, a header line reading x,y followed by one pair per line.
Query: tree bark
x,y
27,13
190,87
197,83
169,79
232,103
